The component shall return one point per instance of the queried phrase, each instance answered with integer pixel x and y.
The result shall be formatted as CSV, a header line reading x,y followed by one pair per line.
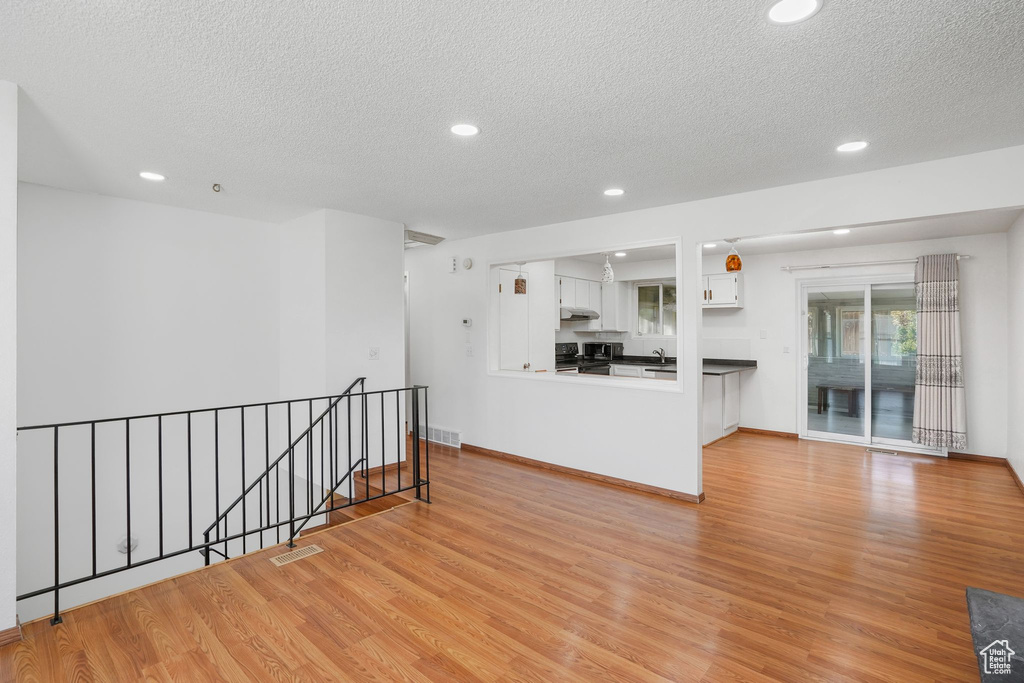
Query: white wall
x,y
303,306
769,394
1015,372
8,348
129,308
365,300
530,417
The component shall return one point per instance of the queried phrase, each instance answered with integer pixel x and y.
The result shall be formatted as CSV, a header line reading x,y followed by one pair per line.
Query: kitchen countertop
x,y
721,366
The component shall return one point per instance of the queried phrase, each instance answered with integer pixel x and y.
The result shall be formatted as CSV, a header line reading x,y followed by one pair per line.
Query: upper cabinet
x,y
610,302
615,307
596,304
723,290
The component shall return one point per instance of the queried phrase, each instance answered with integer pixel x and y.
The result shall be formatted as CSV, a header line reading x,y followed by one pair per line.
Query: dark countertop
x,y
727,366
712,366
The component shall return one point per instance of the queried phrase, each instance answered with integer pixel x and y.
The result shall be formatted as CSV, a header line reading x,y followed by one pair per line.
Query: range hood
x,y
572,314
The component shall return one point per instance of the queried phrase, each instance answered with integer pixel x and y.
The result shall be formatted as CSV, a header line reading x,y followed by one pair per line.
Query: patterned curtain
x,y
940,411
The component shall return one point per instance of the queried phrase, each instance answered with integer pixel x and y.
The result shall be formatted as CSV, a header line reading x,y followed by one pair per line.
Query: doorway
x,y
859,361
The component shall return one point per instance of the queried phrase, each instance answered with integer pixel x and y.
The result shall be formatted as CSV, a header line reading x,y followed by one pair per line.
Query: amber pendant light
x,y
520,287
733,262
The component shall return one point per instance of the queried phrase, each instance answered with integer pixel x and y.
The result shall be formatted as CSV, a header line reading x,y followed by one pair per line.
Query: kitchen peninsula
x,y
721,406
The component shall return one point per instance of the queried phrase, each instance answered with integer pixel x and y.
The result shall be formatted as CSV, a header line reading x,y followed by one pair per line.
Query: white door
x,y
514,310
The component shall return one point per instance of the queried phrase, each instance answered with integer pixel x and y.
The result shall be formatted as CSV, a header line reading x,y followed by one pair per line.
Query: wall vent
x,y
448,437
294,555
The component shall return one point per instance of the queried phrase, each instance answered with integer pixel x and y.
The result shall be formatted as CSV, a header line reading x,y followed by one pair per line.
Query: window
x,y
850,332
656,310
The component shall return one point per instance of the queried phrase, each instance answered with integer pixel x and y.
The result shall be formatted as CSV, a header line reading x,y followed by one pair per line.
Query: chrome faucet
x,y
660,353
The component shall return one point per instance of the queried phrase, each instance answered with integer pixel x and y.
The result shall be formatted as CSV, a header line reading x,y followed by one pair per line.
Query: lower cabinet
x,y
721,414
627,371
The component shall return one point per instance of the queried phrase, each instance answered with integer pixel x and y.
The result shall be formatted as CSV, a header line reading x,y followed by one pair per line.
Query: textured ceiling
x,y
341,104
659,253
936,227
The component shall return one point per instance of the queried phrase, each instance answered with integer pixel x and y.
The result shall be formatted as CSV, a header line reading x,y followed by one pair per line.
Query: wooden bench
x,y
853,404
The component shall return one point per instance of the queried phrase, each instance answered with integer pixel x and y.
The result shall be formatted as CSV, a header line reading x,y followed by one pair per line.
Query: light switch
x,y
785,349
764,334
374,353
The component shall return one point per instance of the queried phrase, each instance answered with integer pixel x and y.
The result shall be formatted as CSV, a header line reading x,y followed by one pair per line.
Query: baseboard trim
x,y
11,635
721,438
989,460
1016,477
971,457
768,432
604,479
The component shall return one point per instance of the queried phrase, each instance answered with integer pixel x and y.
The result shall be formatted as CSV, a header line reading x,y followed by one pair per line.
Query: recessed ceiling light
x,y
465,129
793,11
855,146
842,231
614,192
620,254
149,175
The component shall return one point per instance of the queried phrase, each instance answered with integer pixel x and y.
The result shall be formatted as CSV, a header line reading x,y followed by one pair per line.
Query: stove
x,y
595,361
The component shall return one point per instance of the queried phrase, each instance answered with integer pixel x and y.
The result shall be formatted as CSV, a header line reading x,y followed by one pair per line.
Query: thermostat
x,y
467,322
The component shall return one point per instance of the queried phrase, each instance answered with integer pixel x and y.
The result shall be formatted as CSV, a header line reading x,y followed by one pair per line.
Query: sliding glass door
x,y
893,362
858,369
836,353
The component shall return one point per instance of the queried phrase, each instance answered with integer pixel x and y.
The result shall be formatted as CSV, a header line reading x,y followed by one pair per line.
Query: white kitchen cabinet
x,y
615,307
582,294
721,413
558,303
626,371
730,402
596,304
567,291
723,290
712,418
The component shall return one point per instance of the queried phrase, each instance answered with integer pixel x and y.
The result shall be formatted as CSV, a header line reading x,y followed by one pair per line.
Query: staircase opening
x,y
190,488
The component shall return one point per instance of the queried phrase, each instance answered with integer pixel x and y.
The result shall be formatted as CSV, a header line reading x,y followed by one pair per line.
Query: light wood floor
x,y
806,562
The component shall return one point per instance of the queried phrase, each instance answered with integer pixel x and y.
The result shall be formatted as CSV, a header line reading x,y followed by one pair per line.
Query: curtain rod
x,y
960,257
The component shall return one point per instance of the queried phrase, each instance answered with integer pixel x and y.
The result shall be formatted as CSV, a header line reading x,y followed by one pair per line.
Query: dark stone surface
x,y
996,618
731,361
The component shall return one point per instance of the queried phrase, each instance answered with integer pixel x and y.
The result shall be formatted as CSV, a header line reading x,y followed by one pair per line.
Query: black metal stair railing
x,y
338,444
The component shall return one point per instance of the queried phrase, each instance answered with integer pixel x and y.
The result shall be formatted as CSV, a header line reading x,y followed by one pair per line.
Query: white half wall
x,y
8,349
1015,373
768,396
649,437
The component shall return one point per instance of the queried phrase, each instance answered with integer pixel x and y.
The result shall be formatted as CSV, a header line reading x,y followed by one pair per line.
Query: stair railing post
x,y
416,440
206,552
291,482
56,533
